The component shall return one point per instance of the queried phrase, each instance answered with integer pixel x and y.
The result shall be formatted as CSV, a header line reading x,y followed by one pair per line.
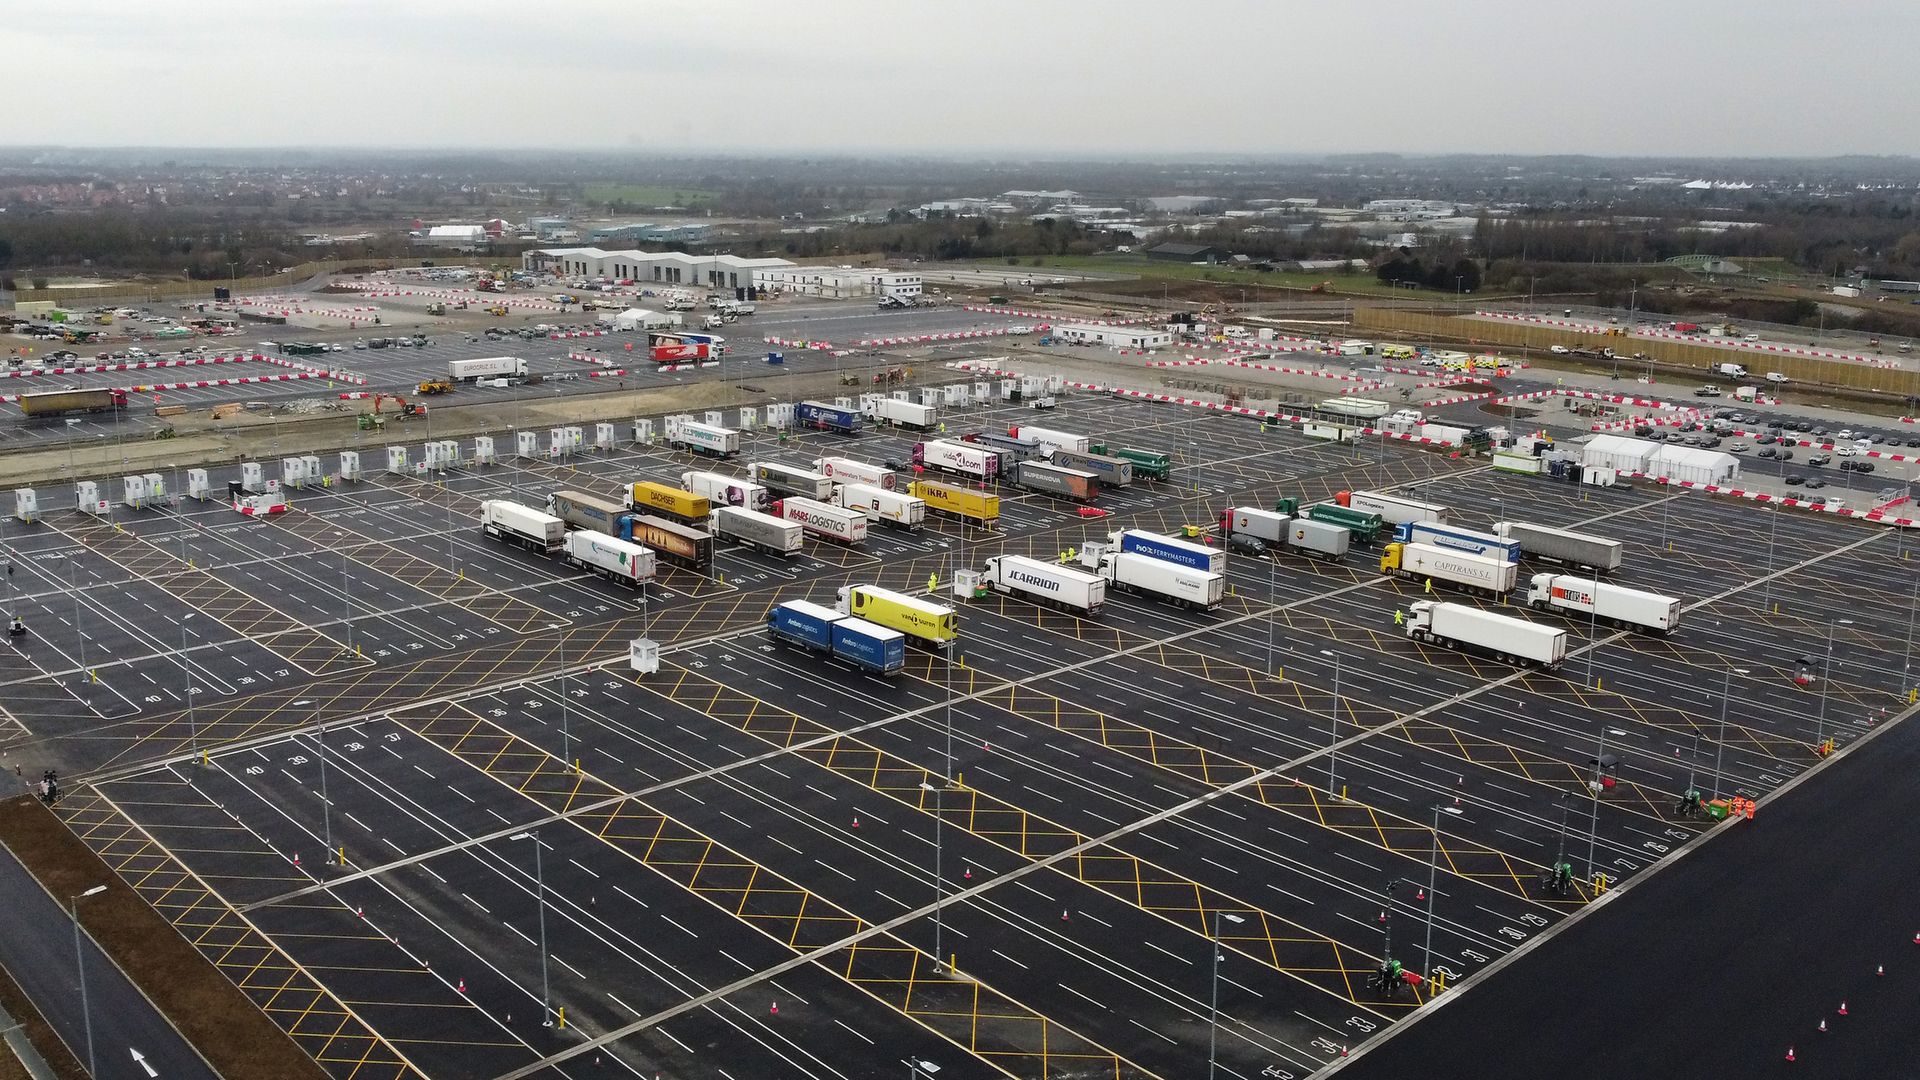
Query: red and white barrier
x,y
1697,339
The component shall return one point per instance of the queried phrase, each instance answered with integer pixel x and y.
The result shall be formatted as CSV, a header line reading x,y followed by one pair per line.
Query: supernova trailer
x,y
522,525
762,532
1617,605
923,621
1503,637
1563,545
611,557
1046,583
1054,480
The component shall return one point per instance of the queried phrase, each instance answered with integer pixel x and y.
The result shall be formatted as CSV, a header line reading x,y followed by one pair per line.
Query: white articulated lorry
x,y
1572,594
1503,637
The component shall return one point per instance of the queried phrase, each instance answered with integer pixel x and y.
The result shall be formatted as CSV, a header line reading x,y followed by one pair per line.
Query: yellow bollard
x,y
1343,793
563,1017
343,854
576,765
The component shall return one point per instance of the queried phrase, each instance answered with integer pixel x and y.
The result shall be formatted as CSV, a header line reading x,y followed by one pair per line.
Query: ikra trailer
x,y
823,519
753,529
1172,582
791,480
722,490
978,507
523,525
1491,575
1046,583
1616,604
848,471
961,459
1167,549
922,621
1562,545
674,503
824,630
1502,637
611,557
882,506
820,416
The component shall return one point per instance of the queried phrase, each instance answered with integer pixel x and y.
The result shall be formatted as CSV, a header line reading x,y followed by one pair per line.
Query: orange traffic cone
x,y
296,862
462,988
856,824
1823,1023
1063,914
775,1009
1843,1008
1790,1056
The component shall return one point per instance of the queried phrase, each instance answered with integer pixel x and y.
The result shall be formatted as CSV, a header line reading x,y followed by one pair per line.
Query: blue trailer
x,y
876,648
1167,549
825,417
1455,538
824,630
1013,449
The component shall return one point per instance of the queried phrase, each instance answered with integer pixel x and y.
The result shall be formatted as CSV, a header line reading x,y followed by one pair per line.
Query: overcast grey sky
x,y
1664,77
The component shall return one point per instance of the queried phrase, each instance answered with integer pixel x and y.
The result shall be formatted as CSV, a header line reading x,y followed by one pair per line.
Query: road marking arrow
x,y
140,1059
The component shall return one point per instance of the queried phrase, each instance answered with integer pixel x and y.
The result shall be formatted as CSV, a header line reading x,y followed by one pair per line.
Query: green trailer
x,y
1147,463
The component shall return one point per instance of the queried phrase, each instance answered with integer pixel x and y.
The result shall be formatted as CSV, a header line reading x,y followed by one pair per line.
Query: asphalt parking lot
x,y
1010,860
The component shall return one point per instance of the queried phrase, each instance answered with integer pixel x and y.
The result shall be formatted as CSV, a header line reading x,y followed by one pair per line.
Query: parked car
x,y
1815,482
1794,481
1820,459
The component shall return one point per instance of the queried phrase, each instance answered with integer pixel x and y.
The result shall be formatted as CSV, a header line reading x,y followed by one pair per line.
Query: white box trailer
x,y
823,519
1268,528
1562,545
722,490
1395,509
1488,573
963,459
848,471
1318,539
1615,604
702,438
1504,637
611,557
486,367
1050,439
791,479
1046,583
1149,576
532,529
891,410
756,530
878,504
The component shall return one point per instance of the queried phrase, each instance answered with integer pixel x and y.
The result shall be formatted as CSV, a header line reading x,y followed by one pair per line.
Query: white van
x,y
1776,377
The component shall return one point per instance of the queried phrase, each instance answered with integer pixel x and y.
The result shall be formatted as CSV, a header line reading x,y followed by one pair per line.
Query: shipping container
x,y
878,504
522,525
1265,527
671,541
962,459
1392,509
800,622
1455,538
875,648
1051,440
924,621
723,490
1046,583
979,507
1561,545
582,511
1150,464
1113,472
791,480
823,417
1486,574
1500,636
1149,576
486,367
823,519
756,530
62,402
892,410
669,502
1318,539
847,471
1167,549
614,559
1608,603
709,439
1053,480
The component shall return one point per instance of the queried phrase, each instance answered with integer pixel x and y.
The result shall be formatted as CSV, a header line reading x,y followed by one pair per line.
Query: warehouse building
x,y
839,282
1677,463
650,267
1118,337
454,237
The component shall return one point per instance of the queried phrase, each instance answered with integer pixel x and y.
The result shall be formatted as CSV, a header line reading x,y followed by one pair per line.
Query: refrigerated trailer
x,y
1051,440
791,479
1172,582
1489,574
709,439
1615,604
763,532
523,525
1503,637
1046,583
880,505
891,410
722,490
1563,545
486,367
848,471
1392,509
611,557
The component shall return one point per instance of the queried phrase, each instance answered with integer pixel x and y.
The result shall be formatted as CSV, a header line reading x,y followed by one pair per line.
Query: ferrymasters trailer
x,y
1166,548
923,621
1503,637
1562,545
1046,583
522,525
1571,594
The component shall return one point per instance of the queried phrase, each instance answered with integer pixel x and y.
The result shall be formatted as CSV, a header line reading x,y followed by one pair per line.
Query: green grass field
x,y
647,195
1360,283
